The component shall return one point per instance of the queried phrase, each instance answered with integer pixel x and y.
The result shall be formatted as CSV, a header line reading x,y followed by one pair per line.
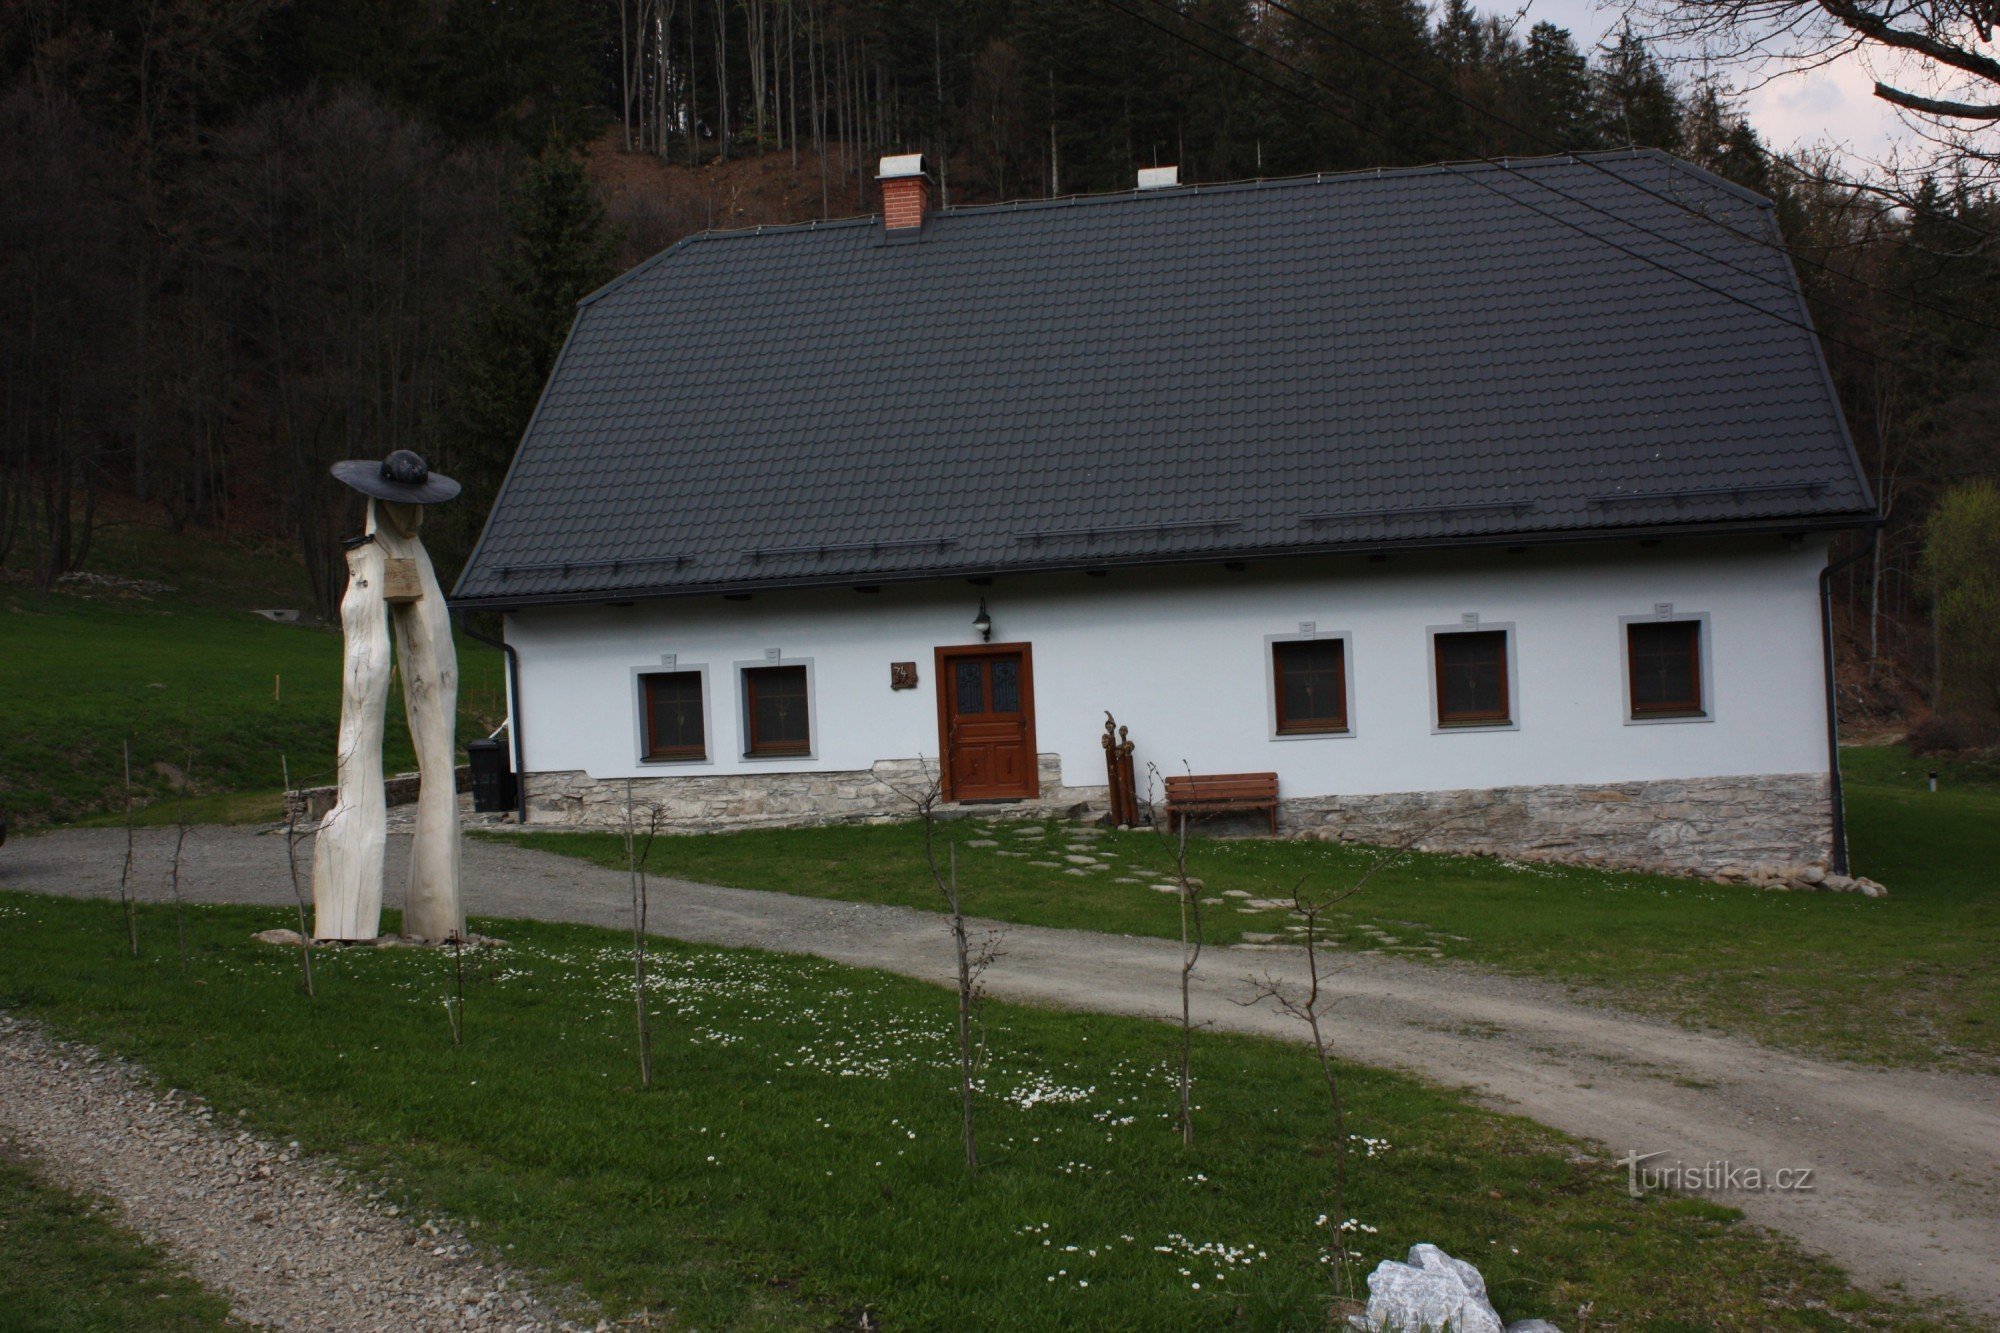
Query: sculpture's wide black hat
x,y
403,476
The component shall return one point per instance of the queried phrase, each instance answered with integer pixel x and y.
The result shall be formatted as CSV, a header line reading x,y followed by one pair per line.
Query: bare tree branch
x,y
1932,106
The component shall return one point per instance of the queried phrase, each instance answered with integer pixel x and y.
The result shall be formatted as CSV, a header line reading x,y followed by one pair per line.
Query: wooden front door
x,y
986,722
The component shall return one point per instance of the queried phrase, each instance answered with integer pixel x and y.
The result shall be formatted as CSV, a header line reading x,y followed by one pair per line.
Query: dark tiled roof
x,y
1312,364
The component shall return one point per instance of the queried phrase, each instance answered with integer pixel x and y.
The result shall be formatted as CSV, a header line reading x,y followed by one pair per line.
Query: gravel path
x,y
1907,1163
291,1244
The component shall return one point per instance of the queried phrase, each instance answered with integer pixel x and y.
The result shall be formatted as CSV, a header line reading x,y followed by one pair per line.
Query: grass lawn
x,y
796,1163
67,1267
1906,980
189,670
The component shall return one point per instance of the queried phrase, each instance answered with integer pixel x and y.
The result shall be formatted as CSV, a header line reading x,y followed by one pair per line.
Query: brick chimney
x,y
906,193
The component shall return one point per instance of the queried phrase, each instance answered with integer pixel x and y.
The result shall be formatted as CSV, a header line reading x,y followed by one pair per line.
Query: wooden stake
x,y
125,875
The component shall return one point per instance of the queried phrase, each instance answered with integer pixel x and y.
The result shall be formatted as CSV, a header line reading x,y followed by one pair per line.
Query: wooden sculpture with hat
x,y
390,582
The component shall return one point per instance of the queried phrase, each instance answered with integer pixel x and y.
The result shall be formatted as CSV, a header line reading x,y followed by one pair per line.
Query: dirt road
x,y
1906,1165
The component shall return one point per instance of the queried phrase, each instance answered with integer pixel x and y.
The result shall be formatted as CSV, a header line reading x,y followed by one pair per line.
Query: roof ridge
x,y
1133,194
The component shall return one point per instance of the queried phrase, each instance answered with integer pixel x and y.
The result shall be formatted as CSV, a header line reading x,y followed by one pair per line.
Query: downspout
x,y
514,713
1833,698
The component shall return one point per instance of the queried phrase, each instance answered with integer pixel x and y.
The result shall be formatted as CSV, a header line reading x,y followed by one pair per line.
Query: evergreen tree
x,y
560,252
1461,39
1715,135
1547,92
1635,97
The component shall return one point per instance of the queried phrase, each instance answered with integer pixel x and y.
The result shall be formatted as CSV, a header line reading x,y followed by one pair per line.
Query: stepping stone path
x,y
1235,893
1047,865
981,842
1076,860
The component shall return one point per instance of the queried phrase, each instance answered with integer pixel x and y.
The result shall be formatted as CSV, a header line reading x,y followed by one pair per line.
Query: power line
x,y
1504,167
1368,53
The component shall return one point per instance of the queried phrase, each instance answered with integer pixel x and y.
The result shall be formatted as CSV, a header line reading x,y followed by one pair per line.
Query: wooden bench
x,y
1217,793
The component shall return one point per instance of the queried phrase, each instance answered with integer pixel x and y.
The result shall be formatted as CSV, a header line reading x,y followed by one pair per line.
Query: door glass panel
x,y
1006,684
969,692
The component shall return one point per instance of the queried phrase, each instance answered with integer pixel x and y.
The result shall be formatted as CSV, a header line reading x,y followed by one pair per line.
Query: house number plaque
x,y
902,675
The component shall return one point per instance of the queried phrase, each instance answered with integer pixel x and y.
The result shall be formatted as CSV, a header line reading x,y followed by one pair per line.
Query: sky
x,y
1800,109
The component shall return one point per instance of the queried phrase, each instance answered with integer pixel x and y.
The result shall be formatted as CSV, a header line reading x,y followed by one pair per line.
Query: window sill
x,y
775,756
1329,734
1665,719
669,760
1497,724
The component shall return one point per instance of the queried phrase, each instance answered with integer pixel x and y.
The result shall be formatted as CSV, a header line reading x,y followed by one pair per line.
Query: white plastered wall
x,y
1181,657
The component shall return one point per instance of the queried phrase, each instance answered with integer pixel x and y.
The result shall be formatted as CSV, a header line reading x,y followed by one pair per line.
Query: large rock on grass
x,y
1432,1292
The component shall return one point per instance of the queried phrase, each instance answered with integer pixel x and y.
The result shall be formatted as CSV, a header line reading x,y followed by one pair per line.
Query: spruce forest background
x,y
240,239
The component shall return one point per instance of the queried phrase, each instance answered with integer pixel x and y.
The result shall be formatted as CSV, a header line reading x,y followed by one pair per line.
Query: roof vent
x,y
906,193
1158,178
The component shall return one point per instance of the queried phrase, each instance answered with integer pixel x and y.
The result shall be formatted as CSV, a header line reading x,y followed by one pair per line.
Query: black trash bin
x,y
492,777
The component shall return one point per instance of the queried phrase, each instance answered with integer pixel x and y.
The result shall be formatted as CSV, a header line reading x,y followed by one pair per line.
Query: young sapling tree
x,y
1188,893
125,897
1310,1002
971,962
292,837
455,1007
636,856
180,844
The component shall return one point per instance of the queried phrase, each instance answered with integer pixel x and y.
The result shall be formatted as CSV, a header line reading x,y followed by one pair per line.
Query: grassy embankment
x,y
190,677
1906,980
797,1163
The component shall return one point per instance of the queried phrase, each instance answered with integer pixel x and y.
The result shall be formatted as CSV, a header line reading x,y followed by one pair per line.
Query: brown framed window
x,y
774,707
675,727
1665,661
1472,678
1310,676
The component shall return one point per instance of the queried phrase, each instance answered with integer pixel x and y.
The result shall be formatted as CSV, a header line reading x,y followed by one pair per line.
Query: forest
x,y
240,239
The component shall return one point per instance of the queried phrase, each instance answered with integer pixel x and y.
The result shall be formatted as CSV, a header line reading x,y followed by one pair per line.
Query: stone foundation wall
x,y
1701,826
694,803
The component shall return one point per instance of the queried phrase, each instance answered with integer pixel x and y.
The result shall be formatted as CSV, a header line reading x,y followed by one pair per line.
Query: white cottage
x,y
1502,493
